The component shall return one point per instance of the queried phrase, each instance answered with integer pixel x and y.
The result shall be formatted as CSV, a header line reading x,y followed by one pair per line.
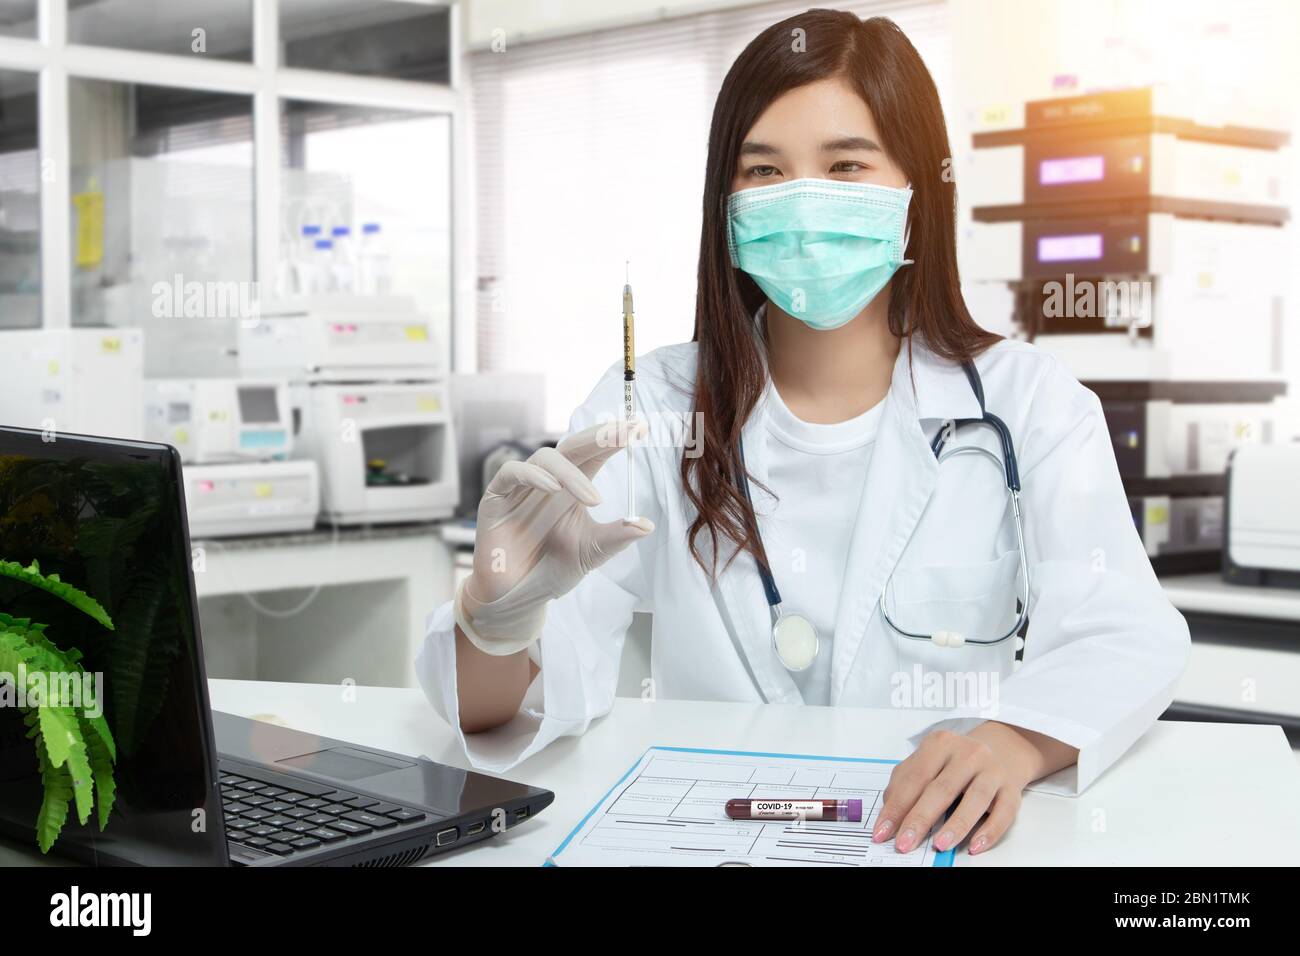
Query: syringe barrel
x,y
629,345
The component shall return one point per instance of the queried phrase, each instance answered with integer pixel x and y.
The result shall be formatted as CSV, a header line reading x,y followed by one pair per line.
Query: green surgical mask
x,y
818,248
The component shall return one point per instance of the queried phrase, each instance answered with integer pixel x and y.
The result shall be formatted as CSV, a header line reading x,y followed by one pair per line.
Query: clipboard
x,y
660,773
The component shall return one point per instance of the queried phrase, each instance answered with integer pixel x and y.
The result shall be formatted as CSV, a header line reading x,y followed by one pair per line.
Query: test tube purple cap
x,y
854,810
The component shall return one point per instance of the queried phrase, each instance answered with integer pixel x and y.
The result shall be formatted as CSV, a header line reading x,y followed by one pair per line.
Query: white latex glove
x,y
536,540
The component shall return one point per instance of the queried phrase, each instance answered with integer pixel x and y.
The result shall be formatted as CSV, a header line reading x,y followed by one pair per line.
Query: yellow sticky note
x,y
263,489
997,115
111,344
1158,514
417,333
429,403
90,228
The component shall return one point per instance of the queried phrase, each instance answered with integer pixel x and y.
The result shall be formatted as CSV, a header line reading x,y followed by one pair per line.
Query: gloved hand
x,y
536,540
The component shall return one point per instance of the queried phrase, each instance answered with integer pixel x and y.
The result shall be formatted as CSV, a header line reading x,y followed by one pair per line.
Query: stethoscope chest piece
x,y
795,641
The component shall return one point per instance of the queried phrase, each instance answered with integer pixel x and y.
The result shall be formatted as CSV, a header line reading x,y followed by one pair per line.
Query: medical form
x,y
668,810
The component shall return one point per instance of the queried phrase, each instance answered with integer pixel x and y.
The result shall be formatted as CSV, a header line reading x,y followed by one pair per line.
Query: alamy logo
x,y
74,908
83,690
1121,302
181,299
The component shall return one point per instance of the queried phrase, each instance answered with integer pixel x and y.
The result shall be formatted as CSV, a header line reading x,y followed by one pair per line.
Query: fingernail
x,y
906,840
943,841
881,832
979,844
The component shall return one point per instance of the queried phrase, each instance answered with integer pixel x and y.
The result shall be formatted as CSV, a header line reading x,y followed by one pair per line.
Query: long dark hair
x,y
925,298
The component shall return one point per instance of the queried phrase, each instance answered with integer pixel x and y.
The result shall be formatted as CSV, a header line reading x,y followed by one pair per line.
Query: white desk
x,y
323,606
1210,594
1245,645
1154,807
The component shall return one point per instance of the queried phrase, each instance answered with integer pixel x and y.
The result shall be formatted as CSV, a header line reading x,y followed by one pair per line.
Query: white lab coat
x,y
1104,646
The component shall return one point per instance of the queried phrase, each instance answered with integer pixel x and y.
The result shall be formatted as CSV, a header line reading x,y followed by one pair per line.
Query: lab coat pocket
x,y
975,600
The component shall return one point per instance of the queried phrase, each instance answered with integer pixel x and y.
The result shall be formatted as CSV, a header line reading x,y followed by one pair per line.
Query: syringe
x,y
629,380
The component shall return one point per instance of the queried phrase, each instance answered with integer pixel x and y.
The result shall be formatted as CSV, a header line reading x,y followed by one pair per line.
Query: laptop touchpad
x,y
343,763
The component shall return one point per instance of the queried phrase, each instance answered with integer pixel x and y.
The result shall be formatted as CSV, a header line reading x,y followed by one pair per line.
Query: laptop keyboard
x,y
265,820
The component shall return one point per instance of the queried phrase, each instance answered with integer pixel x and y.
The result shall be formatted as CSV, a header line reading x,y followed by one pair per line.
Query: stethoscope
x,y
794,638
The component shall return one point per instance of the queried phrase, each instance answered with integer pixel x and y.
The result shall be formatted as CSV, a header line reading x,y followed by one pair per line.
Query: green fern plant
x,y
75,752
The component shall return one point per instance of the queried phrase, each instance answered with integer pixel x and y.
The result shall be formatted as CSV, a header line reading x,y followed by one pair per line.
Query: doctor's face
x,y
820,131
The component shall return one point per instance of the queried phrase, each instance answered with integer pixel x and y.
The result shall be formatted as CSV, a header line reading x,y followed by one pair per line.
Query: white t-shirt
x,y
817,473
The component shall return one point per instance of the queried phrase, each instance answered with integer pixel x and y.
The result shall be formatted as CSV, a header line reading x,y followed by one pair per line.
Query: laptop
x,y
194,787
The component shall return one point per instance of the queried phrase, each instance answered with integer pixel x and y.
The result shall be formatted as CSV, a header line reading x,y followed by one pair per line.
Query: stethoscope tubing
x,y
1007,464
1023,616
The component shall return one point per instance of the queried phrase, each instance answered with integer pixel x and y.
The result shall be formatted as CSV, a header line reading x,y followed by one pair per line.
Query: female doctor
x,y
874,497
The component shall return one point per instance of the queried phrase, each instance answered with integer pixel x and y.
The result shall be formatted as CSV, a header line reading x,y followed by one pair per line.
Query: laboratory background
x,y
350,257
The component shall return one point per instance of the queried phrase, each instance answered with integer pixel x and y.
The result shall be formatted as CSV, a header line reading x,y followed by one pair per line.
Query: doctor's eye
x,y
850,167
762,172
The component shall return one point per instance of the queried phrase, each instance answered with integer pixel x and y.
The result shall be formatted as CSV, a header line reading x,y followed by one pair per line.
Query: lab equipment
x,y
1127,228
370,403
298,265
324,279
827,275
245,498
669,809
386,450
794,637
1139,296
629,400
342,338
87,380
234,436
374,264
1167,439
1181,534
343,266
1262,515
214,420
174,258
1130,150
1173,441
784,808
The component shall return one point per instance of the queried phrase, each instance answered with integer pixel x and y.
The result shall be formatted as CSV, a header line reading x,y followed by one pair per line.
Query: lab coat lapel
x,y
741,588
900,480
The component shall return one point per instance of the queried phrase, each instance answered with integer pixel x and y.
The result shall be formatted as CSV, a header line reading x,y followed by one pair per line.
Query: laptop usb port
x,y
475,828
521,813
447,836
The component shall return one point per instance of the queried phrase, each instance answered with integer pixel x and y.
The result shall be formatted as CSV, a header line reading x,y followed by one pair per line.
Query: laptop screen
x,y
108,519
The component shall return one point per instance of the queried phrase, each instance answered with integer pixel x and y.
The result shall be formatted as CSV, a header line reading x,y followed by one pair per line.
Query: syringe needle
x,y
629,379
